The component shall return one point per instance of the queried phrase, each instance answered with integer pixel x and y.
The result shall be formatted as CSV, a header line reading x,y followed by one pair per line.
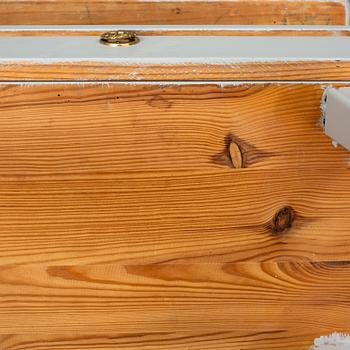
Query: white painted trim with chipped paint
x,y
336,112
334,341
169,50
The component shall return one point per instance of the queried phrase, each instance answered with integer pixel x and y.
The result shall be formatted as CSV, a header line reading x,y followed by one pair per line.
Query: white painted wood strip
x,y
223,50
336,108
334,341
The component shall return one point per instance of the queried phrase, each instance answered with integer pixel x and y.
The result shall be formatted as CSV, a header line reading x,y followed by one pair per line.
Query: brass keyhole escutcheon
x,y
119,38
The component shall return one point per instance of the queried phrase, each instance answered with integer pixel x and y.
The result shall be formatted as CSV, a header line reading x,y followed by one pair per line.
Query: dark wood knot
x,y
283,220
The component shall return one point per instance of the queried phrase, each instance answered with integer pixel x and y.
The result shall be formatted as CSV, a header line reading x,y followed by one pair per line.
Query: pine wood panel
x,y
231,340
243,71
156,305
125,224
225,340
146,166
173,12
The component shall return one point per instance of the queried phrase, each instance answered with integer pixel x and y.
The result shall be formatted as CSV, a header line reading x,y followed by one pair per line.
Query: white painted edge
x,y
336,117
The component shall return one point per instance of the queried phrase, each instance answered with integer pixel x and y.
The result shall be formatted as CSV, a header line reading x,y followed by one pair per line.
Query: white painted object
x,y
336,115
334,341
167,50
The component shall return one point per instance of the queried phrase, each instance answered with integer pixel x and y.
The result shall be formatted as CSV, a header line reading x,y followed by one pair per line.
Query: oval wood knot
x,y
283,220
235,155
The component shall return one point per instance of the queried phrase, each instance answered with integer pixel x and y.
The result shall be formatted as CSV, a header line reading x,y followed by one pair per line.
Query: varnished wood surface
x,y
147,168
173,12
224,340
318,70
157,305
176,306
128,219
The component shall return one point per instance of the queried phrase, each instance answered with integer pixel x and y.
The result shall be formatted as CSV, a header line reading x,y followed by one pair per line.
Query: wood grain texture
x,y
173,12
224,340
157,306
124,223
147,167
329,70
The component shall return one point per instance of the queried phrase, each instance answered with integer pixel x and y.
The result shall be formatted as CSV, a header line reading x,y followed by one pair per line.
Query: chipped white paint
x,y
174,50
334,341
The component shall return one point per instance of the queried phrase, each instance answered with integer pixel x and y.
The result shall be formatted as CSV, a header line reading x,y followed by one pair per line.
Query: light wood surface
x,y
225,340
317,12
139,216
318,70
145,165
222,306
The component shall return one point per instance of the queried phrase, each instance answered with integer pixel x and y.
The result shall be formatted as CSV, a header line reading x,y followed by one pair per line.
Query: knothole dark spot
x,y
283,220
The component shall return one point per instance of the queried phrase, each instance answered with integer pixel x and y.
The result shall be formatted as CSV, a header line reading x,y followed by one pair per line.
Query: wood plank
x,y
213,58
228,340
316,12
330,70
188,247
261,300
96,173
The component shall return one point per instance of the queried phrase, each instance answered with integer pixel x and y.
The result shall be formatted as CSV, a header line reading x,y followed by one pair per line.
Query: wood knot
x,y
235,155
283,220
